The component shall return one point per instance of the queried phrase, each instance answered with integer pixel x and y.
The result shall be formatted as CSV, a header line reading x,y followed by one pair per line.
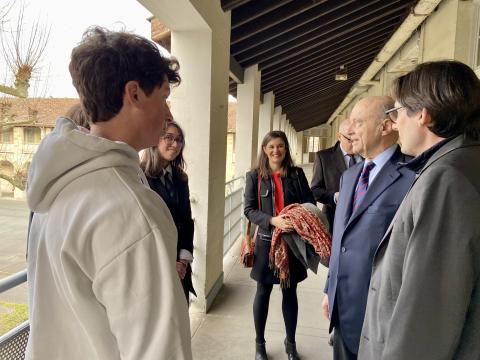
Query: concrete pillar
x,y
246,134
265,119
283,122
299,148
277,115
201,42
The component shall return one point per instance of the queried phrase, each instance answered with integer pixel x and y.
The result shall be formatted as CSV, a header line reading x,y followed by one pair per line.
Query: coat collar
x,y
439,151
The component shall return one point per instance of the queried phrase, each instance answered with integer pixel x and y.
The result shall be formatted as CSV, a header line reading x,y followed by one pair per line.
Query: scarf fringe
x,y
284,279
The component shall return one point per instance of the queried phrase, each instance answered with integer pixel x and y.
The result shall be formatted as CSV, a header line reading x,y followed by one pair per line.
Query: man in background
x,y
328,167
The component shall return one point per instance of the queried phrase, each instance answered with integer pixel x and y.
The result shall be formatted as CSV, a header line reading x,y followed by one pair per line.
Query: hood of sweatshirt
x,y
68,153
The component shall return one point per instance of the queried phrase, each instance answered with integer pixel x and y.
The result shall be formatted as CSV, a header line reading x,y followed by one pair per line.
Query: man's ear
x,y
387,126
132,89
424,118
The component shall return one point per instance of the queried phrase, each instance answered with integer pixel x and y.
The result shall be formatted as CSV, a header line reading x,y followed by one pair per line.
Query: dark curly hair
x,y
103,63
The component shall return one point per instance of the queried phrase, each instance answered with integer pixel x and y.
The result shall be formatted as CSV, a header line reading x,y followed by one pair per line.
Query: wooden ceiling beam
x,y
277,48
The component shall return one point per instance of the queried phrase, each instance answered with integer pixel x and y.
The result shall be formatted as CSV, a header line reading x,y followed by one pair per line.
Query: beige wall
x,y
19,155
447,34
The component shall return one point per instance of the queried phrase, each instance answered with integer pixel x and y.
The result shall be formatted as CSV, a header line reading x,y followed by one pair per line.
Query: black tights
x,y
289,309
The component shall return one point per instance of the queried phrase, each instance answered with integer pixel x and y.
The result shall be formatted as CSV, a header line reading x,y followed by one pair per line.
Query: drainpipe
x,y
421,11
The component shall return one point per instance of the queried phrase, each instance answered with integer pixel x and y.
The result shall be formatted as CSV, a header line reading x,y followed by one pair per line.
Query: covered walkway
x,y
227,332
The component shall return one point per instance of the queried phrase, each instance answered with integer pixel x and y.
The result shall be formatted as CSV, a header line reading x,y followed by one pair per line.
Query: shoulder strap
x,y
299,185
259,181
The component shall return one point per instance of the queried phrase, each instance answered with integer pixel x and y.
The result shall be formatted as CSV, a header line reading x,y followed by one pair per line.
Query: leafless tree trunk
x,y
22,50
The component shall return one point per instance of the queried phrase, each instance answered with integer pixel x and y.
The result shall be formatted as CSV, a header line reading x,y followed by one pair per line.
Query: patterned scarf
x,y
310,228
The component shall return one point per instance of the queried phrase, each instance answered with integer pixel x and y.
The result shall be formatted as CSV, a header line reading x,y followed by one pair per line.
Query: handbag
x,y
246,249
248,243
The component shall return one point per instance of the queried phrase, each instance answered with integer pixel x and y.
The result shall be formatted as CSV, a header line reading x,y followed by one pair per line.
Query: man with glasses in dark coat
x,y
328,168
424,293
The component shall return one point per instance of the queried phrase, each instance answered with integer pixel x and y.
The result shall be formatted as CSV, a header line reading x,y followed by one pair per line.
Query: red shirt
x,y
277,181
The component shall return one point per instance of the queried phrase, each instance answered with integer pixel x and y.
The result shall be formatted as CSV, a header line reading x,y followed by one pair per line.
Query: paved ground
x,y
13,235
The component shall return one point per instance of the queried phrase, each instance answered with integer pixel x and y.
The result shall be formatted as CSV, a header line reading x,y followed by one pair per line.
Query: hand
x,y
325,307
281,223
181,269
336,195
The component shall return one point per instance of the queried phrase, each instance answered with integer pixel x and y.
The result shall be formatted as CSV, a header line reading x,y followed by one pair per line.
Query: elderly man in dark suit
x,y
424,298
328,168
370,193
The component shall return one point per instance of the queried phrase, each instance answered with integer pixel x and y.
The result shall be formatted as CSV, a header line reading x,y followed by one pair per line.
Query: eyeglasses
x,y
393,112
345,137
170,139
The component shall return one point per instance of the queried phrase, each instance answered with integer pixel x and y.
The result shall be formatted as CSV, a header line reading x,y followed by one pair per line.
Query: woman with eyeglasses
x,y
164,168
272,185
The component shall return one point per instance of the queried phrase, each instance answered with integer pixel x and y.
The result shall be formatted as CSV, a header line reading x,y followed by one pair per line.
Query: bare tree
x,y
22,51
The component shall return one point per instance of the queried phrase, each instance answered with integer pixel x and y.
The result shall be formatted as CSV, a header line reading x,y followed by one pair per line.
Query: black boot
x,y
260,352
291,350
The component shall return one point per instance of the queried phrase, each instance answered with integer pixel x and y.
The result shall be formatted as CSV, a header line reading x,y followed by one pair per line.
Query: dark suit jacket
x,y
328,167
295,190
355,239
181,211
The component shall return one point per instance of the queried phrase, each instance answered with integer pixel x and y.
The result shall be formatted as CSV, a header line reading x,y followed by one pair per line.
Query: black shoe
x,y
260,352
291,350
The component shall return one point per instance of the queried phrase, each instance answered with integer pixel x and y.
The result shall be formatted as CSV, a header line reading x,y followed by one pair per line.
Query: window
x,y
6,136
313,144
31,135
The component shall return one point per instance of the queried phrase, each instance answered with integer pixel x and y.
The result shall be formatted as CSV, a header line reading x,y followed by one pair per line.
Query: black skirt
x,y
261,272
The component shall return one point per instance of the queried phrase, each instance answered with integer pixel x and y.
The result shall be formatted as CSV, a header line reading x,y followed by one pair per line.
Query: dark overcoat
x,y
295,190
328,167
179,206
424,297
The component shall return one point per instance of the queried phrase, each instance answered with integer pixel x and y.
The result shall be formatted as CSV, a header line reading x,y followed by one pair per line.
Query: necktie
x,y
362,186
351,161
168,184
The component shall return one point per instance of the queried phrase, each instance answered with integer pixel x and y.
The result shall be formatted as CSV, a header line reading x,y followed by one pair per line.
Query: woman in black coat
x,y
281,184
164,168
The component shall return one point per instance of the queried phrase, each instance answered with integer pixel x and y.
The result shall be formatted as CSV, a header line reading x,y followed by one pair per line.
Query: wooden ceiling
x,y
299,46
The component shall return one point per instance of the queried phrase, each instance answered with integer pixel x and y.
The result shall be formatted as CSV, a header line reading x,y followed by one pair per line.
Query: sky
x,y
68,19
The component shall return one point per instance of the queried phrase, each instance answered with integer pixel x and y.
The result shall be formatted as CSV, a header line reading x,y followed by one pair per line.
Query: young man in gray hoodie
x,y
101,271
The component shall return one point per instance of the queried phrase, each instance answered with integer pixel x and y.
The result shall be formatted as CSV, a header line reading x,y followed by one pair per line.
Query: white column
x,y
265,120
283,122
299,148
277,115
246,134
201,43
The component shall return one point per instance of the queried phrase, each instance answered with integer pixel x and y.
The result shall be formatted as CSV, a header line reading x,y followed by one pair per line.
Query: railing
x,y
233,215
14,342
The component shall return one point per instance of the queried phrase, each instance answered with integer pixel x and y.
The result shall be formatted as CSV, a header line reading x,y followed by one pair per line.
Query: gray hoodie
x,y
101,267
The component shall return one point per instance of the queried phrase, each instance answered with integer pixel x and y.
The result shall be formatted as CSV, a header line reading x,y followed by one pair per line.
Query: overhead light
x,y
341,74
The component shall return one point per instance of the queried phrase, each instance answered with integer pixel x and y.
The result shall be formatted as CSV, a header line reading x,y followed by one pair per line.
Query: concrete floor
x,y
227,331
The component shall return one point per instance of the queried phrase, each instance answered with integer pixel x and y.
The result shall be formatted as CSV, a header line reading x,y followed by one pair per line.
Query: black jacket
x,y
295,190
181,211
328,167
